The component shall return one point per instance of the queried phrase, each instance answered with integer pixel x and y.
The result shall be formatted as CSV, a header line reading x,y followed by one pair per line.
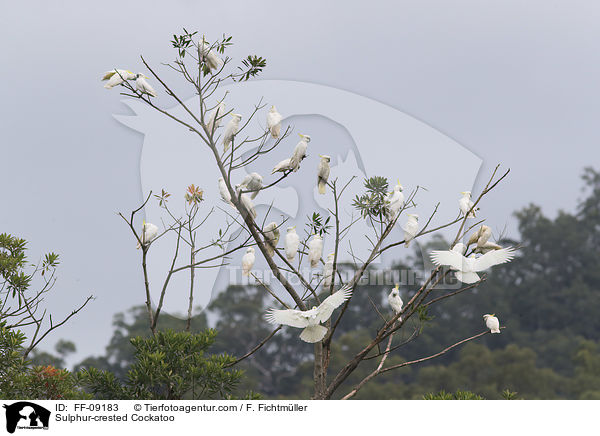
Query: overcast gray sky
x,y
514,82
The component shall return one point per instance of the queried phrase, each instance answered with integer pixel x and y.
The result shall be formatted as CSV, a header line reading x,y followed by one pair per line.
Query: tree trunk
x,y
320,373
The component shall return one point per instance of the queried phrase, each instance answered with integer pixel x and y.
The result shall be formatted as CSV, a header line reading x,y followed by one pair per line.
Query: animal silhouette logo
x,y
26,415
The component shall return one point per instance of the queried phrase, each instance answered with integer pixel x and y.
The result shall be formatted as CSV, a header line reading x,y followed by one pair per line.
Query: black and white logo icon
x,y
26,415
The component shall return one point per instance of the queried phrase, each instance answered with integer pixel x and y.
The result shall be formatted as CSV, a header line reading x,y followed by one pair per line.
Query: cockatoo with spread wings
x,y
310,320
274,122
466,268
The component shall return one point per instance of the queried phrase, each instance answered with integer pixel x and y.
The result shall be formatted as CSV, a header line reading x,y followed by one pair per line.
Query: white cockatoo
x,y
225,195
248,205
488,246
143,86
252,182
323,173
411,228
283,166
149,233
315,250
492,323
274,122
481,236
292,242
248,261
299,152
466,204
214,117
213,61
395,301
231,129
310,320
116,77
466,268
271,237
459,248
394,201
328,271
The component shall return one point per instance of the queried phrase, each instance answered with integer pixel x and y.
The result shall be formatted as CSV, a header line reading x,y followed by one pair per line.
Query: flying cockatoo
x,y
299,152
283,166
116,77
292,242
248,261
231,129
248,205
225,195
315,250
271,237
310,320
492,323
213,61
214,117
328,271
466,268
411,228
149,233
394,201
274,122
143,86
323,173
395,301
466,204
252,182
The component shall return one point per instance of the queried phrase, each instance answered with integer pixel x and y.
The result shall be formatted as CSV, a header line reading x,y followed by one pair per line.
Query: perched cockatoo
x,y
488,246
283,166
310,320
411,228
149,233
315,250
394,201
466,204
143,86
274,122
252,182
231,129
225,195
459,248
466,268
481,236
271,237
299,152
214,117
248,205
395,301
248,261
213,61
328,271
292,242
323,173
116,77
492,323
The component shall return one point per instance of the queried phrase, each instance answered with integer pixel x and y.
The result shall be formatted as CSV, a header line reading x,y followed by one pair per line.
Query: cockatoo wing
x,y
492,258
291,317
451,258
332,302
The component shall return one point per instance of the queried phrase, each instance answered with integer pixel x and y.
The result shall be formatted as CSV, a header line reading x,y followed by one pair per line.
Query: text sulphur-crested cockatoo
x,y
116,77
394,201
466,268
315,250
411,228
274,122
143,86
310,320
252,182
395,301
231,130
248,261
225,195
214,117
149,233
299,152
271,237
292,242
323,173
466,204
283,166
492,323
328,271
248,205
213,61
